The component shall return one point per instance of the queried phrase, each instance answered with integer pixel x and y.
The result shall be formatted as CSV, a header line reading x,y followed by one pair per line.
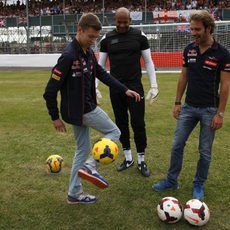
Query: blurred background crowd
x,y
55,7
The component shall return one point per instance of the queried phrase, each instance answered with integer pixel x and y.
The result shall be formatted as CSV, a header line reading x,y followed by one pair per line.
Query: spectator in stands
x,y
188,6
194,4
74,76
124,46
206,68
55,7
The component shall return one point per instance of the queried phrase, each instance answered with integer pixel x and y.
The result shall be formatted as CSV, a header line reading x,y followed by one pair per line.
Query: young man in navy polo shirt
x,y
206,75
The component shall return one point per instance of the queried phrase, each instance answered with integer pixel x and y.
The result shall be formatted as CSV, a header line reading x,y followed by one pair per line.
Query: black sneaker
x,y
144,169
124,165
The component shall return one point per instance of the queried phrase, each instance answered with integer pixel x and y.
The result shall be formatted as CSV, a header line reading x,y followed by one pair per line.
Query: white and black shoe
x,y
144,169
124,165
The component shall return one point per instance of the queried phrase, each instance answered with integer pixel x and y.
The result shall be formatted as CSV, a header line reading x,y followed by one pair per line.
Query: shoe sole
x,y
80,202
94,180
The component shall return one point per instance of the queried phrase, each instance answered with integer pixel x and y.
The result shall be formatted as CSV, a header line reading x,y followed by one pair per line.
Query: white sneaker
x,y
81,198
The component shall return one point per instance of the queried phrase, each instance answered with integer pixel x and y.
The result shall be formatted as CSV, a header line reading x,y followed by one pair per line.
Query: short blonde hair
x,y
203,16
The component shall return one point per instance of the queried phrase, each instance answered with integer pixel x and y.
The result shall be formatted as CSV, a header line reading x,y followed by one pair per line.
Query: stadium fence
x,y
167,42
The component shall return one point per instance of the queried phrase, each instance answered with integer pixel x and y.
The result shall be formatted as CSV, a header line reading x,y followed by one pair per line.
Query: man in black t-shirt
x,y
124,47
206,75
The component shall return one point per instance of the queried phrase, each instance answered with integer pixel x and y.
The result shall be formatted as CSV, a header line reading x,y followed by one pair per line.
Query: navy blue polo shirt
x,y
203,72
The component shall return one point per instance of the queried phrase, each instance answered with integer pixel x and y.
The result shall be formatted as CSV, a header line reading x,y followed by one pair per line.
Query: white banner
x,y
136,15
172,16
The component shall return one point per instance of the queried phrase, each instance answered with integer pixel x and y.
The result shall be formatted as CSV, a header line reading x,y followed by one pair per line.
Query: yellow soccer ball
x,y
54,163
105,151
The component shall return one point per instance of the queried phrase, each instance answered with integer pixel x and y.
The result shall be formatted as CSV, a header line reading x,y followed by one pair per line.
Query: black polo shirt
x,y
203,72
124,51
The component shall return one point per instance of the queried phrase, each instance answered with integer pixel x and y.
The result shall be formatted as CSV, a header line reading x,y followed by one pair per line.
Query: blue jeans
x,y
100,121
187,121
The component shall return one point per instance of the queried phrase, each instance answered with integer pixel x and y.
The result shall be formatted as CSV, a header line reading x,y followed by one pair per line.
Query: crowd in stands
x,y
54,7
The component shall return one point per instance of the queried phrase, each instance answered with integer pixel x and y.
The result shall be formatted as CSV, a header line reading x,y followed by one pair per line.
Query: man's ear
x,y
209,29
79,29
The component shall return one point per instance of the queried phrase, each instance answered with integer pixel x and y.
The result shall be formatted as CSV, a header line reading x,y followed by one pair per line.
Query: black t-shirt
x,y
203,72
124,51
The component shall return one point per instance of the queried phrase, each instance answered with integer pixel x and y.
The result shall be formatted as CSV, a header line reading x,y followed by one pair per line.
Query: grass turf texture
x,y
30,198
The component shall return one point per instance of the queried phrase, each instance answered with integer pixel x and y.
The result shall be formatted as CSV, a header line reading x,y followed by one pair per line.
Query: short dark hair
x,y
89,20
205,17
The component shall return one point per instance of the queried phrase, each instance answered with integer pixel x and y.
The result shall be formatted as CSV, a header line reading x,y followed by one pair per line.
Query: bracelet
x,y
177,103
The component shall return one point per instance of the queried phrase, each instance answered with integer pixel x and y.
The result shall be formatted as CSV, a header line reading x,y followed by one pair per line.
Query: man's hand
x,y
152,95
176,111
131,93
217,122
59,125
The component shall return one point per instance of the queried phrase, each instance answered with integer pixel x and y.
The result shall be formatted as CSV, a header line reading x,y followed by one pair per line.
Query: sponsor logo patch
x,y
213,58
192,53
57,71
76,65
210,63
207,67
54,76
76,74
114,41
192,60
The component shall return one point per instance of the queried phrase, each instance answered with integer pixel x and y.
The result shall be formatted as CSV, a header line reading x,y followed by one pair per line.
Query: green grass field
x,y
30,198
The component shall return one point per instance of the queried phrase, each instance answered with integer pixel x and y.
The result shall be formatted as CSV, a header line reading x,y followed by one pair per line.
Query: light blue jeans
x,y
100,121
188,119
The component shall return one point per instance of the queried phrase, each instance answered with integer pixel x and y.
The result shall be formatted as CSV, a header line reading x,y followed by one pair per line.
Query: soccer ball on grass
x,y
196,212
54,163
169,210
105,151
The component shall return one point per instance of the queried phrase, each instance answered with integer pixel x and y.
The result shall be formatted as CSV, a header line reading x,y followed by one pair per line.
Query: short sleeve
x,y
185,59
225,64
103,45
144,42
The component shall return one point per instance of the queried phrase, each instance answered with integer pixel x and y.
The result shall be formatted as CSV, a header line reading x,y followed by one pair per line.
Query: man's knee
x,y
116,135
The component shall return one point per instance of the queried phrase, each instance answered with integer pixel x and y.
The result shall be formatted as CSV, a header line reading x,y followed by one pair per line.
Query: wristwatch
x,y
221,114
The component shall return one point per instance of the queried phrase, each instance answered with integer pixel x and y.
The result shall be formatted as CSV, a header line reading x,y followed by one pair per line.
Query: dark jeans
x,y
188,119
121,105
